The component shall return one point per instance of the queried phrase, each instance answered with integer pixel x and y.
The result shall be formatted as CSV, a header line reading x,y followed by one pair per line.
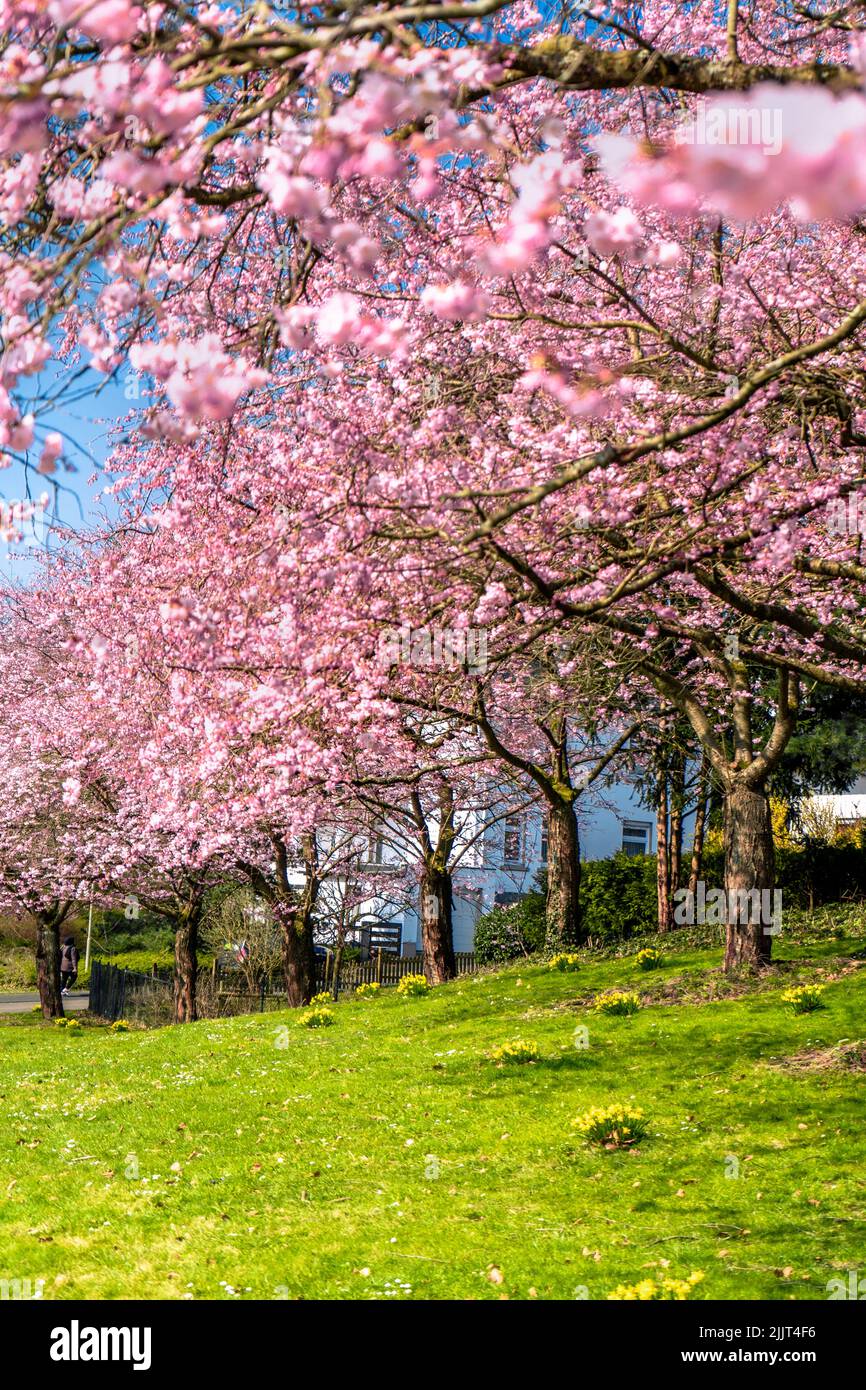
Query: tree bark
x,y
186,965
48,964
299,956
700,826
662,857
293,915
562,908
437,924
678,779
750,868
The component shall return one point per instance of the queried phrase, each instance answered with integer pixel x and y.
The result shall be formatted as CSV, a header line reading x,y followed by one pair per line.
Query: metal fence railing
x,y
118,993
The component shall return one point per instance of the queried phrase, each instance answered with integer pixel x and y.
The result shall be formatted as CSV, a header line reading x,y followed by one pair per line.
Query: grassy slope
x,y
302,1166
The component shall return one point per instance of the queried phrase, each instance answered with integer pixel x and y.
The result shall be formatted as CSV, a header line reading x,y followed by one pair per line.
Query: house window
x,y
636,837
506,899
375,850
512,845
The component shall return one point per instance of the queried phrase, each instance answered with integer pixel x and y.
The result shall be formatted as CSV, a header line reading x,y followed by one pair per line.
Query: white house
x,y
502,862
848,808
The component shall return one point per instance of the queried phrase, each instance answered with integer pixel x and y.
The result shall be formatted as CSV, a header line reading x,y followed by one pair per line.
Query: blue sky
x,y
84,419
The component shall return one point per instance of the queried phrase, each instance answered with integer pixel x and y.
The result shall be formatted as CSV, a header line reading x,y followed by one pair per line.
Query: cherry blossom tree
x,y
554,316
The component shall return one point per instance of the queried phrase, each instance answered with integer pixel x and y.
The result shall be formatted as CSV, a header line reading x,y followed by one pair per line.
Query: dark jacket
x,y
69,957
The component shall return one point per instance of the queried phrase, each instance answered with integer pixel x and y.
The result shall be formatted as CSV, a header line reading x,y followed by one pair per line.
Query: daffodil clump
x,y
521,1050
318,1017
71,1025
617,1001
658,1290
565,961
413,985
804,999
319,1001
613,1126
120,1026
368,991
649,959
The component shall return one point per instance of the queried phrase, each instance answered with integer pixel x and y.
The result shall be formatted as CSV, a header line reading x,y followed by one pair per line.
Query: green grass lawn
x,y
387,1157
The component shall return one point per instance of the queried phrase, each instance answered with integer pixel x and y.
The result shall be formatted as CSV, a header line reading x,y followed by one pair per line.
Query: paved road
x,y
21,1003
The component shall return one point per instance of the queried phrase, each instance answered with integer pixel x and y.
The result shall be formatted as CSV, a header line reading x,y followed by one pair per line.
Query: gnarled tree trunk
x,y
562,908
299,956
186,964
750,875
663,866
293,914
48,964
437,923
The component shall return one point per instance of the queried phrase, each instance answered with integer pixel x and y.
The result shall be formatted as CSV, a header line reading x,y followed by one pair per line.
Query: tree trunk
x,y
750,876
676,841
299,956
663,869
437,927
48,965
562,909
186,966
700,826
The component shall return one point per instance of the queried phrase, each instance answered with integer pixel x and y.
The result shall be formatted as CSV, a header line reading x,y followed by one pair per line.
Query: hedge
x,y
618,895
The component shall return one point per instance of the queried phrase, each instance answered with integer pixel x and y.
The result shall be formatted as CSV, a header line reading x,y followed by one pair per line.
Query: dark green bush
x,y
529,916
497,937
516,930
808,874
618,896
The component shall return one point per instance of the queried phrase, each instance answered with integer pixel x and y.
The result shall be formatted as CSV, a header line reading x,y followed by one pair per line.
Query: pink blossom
x,y
380,159
360,250
112,21
207,383
338,319
74,198
493,605
52,448
71,791
17,434
615,233
140,175
291,194
158,103
516,248
456,301
295,326
747,154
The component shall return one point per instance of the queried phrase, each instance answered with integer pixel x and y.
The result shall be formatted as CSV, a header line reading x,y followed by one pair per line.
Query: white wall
x,y
600,822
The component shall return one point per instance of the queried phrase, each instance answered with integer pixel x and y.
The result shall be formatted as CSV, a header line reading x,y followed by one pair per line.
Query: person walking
x,y
68,964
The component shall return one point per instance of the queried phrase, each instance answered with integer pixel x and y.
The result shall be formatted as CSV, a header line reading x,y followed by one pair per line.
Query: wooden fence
x,y
117,993
384,970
